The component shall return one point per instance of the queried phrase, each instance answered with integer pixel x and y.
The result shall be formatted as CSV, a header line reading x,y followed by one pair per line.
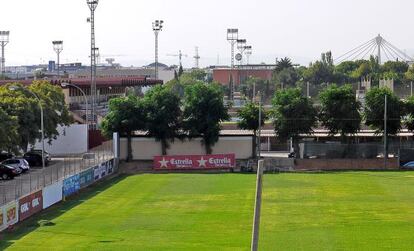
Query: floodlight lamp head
x,y
92,4
157,25
232,34
4,36
57,45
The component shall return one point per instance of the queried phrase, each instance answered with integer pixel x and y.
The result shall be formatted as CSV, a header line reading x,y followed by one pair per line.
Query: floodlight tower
x,y
93,4
4,40
58,48
232,37
157,26
241,44
248,52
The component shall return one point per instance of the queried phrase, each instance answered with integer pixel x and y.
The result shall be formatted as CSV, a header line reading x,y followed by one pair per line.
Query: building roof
x,y
100,82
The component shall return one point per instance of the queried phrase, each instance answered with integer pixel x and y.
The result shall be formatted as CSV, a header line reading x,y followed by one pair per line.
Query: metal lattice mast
x,y
157,26
58,48
4,40
92,6
232,37
197,58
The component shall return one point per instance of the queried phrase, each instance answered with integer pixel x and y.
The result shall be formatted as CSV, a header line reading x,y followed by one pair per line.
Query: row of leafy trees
x,y
293,114
20,114
166,115
324,71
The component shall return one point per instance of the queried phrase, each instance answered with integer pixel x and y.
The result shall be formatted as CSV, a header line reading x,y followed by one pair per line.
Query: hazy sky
x,y
300,29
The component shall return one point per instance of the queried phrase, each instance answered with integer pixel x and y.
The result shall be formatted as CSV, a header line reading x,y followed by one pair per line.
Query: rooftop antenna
x,y
197,58
4,40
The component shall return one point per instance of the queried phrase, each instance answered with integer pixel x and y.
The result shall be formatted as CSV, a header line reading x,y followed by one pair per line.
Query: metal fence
x,y
60,168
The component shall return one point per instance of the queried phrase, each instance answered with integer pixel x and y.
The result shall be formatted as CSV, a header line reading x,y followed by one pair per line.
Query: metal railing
x,y
59,169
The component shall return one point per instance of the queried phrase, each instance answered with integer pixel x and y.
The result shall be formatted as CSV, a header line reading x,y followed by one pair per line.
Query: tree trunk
x,y
129,146
164,147
208,148
254,145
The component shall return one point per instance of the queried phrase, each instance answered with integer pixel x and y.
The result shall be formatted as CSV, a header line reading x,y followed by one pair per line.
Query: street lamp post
x,y
157,26
15,88
58,48
64,85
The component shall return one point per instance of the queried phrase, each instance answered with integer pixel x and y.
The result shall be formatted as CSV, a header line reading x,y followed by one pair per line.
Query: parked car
x,y
5,155
39,151
409,164
20,163
8,172
35,159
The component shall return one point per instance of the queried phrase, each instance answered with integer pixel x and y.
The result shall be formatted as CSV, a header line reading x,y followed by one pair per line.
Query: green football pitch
x,y
326,211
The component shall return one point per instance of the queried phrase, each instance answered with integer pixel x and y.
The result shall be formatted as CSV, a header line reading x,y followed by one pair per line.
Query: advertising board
x,y
71,185
195,162
52,194
10,214
86,178
110,166
29,205
2,226
97,173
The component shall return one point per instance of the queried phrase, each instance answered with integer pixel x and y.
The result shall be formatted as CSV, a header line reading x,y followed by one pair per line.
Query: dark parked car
x,y
8,172
5,155
35,159
39,151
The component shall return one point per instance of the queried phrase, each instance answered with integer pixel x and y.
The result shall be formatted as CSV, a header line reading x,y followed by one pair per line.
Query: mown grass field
x,y
335,211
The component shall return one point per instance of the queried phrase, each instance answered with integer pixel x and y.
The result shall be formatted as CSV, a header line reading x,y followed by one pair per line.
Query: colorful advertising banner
x,y
71,185
10,212
110,166
2,219
195,162
30,205
86,178
97,172
52,194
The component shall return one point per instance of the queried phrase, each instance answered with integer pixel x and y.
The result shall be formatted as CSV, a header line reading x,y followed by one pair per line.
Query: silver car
x,y
19,163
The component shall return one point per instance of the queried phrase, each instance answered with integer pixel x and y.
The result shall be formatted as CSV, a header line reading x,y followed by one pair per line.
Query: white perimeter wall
x,y
71,140
147,148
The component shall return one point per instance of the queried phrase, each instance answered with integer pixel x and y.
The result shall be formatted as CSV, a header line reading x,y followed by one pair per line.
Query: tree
x,y
180,71
249,116
321,71
203,111
8,132
409,110
374,110
23,105
282,64
293,114
126,115
163,121
55,110
340,110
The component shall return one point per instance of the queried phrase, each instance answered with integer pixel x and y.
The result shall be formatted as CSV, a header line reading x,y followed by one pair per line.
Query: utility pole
x,y
93,4
4,40
58,48
385,133
157,26
260,126
258,206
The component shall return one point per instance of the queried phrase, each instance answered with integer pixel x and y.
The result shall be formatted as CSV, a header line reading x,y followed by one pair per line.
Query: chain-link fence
x,y
59,168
